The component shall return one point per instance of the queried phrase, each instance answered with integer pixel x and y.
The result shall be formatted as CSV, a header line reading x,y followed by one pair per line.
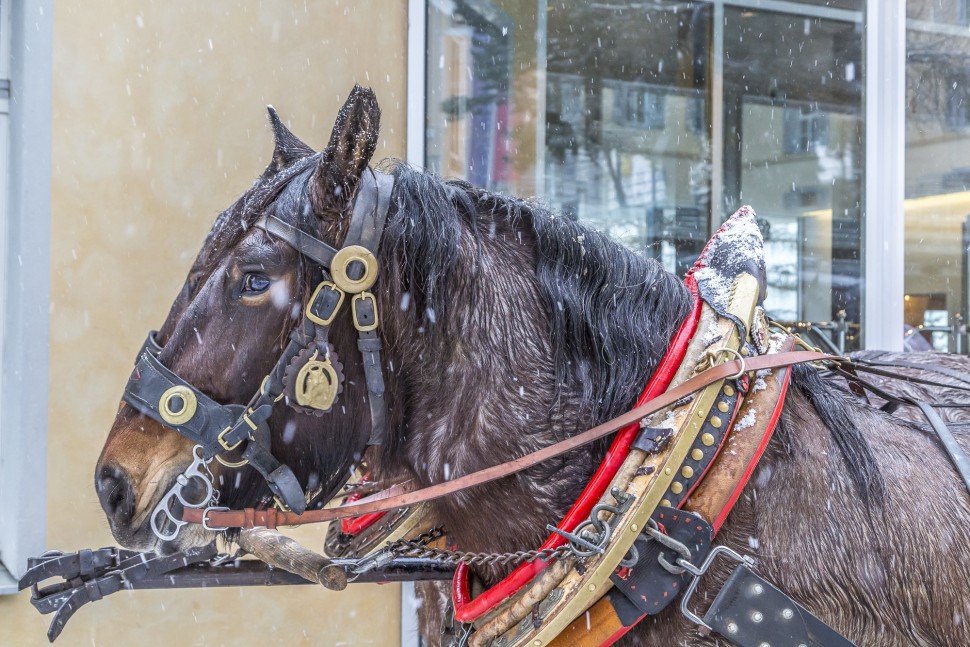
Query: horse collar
x,y
307,374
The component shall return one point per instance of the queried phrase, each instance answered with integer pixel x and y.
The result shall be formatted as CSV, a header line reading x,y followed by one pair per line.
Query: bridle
x,y
307,374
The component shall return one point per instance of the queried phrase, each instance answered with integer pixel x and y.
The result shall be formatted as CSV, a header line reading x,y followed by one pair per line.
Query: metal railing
x,y
835,336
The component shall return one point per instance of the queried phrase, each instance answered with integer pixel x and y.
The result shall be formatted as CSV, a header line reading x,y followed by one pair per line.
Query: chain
x,y
419,548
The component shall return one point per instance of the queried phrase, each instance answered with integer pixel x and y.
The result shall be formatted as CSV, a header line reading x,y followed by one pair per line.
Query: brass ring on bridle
x,y
185,412
342,261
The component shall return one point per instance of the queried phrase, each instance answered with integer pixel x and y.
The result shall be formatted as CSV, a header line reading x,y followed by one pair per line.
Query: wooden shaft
x,y
278,550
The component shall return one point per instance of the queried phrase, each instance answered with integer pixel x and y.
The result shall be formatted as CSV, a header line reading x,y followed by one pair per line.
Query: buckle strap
x,y
369,345
280,478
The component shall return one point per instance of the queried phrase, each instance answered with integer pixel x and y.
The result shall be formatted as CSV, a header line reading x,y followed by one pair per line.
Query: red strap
x,y
354,525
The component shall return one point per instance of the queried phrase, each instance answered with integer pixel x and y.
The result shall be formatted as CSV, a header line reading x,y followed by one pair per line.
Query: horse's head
x,y
241,304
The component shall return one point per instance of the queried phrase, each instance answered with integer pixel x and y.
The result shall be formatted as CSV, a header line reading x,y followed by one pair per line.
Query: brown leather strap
x,y
272,518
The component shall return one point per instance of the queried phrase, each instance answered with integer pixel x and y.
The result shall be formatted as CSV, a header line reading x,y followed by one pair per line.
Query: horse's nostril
x,y
115,493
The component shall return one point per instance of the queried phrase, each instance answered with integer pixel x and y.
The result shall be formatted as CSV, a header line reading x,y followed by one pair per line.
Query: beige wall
x,y
159,123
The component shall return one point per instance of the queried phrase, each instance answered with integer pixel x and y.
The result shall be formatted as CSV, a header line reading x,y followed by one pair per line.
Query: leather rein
x,y
216,519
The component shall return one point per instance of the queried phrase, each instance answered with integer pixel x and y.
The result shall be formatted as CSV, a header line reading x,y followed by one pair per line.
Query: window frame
x,y
26,29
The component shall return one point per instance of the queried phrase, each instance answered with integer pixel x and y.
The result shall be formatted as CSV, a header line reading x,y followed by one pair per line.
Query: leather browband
x,y
313,248
272,518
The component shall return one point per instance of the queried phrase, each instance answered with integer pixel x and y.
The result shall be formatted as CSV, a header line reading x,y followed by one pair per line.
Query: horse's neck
x,y
481,384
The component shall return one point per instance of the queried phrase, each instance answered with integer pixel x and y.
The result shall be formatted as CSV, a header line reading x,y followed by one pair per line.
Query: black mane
x,y
611,312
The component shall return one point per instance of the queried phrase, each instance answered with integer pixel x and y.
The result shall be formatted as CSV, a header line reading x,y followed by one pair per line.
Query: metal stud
x,y
688,471
666,503
722,407
667,471
707,439
787,614
729,390
676,487
696,454
715,422
757,616
732,628
758,589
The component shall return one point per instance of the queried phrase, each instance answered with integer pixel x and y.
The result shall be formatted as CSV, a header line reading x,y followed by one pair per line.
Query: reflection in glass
x,y
937,192
609,112
794,150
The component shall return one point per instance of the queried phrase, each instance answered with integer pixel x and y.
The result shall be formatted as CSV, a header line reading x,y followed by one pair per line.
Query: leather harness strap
x,y
272,518
959,458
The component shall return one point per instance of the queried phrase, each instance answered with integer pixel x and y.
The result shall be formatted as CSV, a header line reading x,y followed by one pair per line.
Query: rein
x,y
215,519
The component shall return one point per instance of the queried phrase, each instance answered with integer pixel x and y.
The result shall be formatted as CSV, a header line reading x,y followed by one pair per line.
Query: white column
x,y
25,287
417,95
885,100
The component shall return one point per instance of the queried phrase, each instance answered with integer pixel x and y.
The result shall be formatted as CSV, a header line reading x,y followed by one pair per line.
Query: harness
x,y
307,374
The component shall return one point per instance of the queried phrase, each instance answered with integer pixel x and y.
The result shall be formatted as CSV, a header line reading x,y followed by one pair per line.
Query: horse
x,y
506,328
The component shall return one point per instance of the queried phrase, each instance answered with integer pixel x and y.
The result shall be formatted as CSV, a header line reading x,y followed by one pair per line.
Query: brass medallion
x,y
316,384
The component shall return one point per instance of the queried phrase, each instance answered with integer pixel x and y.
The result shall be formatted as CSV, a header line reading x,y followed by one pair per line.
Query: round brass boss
x,y
182,414
342,261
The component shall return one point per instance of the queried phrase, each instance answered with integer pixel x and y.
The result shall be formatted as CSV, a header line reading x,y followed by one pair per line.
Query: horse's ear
x,y
351,146
287,149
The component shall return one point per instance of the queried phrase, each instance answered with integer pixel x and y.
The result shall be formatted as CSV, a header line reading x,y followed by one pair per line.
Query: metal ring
x,y
223,461
185,413
342,261
740,357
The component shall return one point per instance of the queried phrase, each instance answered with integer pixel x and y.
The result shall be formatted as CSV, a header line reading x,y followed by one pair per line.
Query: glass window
x,y
654,121
937,190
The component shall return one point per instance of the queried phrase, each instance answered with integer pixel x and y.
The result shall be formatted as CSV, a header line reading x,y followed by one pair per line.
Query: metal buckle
x,y
205,518
697,572
309,307
364,296
222,443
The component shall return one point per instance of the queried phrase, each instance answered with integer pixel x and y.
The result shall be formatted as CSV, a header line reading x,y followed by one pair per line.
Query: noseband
x,y
307,375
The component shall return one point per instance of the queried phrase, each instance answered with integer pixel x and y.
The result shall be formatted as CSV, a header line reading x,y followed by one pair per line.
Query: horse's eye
x,y
255,284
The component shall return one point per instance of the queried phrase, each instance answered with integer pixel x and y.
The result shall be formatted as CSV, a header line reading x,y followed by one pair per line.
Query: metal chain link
x,y
419,548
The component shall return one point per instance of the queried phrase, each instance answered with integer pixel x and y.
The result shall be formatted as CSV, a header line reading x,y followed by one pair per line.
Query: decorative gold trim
x,y
341,262
317,320
189,404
